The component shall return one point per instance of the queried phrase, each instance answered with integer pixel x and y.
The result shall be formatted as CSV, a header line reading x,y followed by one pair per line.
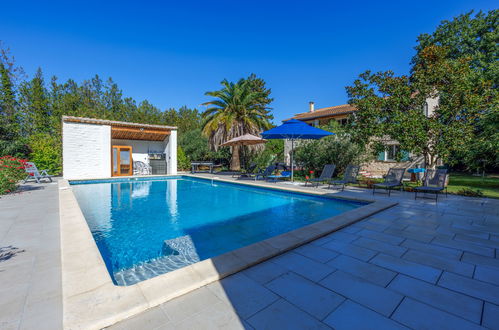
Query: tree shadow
x,y
8,252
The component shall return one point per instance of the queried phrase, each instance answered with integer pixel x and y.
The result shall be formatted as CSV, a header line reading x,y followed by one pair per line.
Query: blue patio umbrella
x,y
295,129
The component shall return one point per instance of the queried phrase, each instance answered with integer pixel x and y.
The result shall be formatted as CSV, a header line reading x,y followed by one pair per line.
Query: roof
x,y
114,123
127,131
343,109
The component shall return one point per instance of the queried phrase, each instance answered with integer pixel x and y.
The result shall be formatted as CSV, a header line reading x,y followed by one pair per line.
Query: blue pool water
x,y
144,228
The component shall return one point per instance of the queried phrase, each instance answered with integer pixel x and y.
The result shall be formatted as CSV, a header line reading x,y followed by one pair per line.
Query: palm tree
x,y
238,108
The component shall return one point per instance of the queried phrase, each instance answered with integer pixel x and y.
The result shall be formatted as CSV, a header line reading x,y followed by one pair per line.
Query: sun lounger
x,y
350,176
326,175
434,182
265,173
393,179
283,175
35,174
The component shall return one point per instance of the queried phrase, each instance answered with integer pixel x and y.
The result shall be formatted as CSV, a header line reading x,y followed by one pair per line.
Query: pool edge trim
x,y
92,301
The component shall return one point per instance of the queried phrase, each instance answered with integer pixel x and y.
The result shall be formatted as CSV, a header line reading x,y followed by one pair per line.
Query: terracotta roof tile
x,y
325,112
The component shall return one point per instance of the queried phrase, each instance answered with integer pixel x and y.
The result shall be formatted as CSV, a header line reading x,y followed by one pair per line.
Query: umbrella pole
x,y
292,167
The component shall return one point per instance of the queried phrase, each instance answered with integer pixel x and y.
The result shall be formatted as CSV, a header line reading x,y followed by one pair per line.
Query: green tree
x,y
338,149
34,103
238,108
456,64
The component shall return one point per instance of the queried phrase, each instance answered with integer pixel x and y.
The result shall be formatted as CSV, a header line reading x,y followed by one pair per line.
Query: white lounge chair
x,y
35,174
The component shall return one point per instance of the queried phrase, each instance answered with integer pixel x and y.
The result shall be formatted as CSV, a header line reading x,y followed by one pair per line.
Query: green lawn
x,y
489,185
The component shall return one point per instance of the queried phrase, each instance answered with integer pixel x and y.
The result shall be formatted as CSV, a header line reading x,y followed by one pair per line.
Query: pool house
x,y
97,148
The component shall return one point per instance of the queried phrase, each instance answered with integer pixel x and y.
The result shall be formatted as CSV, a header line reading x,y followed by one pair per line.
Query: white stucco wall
x,y
86,151
171,153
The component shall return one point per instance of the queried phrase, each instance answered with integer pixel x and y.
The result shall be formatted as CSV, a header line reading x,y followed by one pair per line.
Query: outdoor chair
x,y
283,175
393,179
246,173
434,182
326,175
35,174
350,176
265,173
141,168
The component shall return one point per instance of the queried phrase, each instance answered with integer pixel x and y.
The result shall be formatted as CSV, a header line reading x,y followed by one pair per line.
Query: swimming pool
x,y
150,226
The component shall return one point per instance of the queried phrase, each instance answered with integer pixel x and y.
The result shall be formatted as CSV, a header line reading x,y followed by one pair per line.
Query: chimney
x,y
311,106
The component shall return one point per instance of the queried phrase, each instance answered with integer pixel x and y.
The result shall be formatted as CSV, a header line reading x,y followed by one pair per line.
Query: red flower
x,y
306,177
311,172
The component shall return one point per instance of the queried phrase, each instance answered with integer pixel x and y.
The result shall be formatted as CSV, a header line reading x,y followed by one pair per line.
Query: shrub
x,y
470,192
46,152
11,171
183,162
338,150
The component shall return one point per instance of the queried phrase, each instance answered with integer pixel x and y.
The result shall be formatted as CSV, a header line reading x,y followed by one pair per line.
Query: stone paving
x,y
417,265
30,259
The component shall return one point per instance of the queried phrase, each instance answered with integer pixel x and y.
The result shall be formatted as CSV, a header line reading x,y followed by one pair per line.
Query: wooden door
x,y
121,161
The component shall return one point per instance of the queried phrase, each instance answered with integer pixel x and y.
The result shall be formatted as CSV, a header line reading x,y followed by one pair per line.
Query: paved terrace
x,y
416,265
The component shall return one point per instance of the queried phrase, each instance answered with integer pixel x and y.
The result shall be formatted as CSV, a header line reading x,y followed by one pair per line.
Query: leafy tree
x,y
338,149
445,67
34,105
183,162
238,108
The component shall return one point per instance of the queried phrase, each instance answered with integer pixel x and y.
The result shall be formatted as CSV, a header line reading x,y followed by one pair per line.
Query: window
x,y
425,109
390,154
343,121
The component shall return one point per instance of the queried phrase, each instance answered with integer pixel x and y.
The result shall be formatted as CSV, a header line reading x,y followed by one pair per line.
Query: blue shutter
x,y
381,156
405,156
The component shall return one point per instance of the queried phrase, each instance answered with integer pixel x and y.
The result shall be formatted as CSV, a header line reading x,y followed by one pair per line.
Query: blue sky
x,y
171,52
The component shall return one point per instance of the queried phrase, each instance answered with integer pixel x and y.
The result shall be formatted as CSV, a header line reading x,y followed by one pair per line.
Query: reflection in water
x,y
140,189
171,200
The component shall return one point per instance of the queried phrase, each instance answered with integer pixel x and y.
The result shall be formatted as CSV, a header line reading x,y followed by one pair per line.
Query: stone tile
x,y
417,315
218,316
490,316
410,268
439,262
381,237
283,315
351,315
432,249
304,266
479,241
350,250
149,319
412,235
187,305
369,272
373,296
480,260
343,237
306,295
245,295
316,253
471,287
487,274
264,272
321,241
447,300
393,250
464,229
466,246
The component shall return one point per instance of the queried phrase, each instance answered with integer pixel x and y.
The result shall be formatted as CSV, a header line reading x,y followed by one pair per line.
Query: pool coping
x,y
92,301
